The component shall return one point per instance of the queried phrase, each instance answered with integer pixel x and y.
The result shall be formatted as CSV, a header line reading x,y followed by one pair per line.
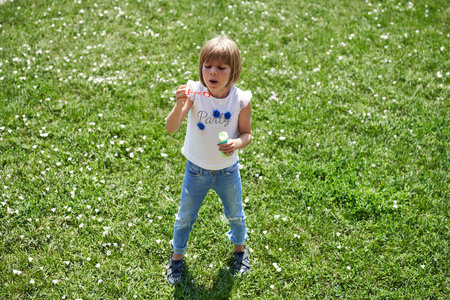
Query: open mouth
x,y
213,82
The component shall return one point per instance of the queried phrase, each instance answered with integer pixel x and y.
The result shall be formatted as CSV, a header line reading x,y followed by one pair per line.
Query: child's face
x,y
216,76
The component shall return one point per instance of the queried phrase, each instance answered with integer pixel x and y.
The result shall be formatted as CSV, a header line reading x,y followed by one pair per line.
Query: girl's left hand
x,y
229,147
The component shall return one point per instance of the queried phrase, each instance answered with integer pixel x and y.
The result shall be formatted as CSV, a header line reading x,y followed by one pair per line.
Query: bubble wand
x,y
189,92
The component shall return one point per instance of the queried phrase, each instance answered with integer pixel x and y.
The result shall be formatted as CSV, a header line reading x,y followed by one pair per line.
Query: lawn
x,y
346,183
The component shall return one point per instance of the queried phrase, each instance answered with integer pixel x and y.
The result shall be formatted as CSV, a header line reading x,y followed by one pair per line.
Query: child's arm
x,y
180,110
245,136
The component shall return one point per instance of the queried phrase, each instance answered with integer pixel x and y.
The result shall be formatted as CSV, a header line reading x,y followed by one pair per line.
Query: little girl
x,y
213,105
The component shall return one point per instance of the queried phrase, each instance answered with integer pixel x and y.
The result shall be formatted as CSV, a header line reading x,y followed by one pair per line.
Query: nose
x,y
213,70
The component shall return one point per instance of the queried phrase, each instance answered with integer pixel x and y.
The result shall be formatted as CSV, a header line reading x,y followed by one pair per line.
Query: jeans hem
x,y
230,237
178,251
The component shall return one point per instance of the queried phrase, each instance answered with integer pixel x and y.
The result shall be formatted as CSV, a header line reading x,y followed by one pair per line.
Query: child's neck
x,y
220,94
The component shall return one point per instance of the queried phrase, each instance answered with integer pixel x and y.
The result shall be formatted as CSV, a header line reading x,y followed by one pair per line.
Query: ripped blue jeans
x,y
196,184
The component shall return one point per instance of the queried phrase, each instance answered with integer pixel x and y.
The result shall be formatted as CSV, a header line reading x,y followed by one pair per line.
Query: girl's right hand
x,y
181,96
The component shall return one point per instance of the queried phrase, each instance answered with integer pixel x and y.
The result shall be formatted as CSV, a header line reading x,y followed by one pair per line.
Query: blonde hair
x,y
223,50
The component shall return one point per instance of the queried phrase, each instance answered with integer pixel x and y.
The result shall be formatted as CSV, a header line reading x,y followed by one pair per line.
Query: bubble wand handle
x,y
223,137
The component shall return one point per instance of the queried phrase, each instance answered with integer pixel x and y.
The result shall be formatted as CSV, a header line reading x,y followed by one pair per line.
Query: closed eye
x,y
208,67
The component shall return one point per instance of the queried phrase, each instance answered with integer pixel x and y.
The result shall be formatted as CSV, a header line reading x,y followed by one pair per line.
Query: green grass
x,y
347,178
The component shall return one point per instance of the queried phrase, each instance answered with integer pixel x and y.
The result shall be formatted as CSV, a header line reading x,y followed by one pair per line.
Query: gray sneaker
x,y
175,271
241,263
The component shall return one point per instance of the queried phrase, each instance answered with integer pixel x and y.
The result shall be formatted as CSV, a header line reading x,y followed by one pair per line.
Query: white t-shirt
x,y
207,117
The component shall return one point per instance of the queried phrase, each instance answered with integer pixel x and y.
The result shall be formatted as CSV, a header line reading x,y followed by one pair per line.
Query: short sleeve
x,y
192,88
244,98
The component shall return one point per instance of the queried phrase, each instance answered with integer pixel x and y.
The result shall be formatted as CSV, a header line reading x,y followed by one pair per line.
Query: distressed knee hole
x,y
236,219
182,223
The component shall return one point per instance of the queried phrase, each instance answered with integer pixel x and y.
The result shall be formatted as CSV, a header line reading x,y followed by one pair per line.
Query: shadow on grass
x,y
221,288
